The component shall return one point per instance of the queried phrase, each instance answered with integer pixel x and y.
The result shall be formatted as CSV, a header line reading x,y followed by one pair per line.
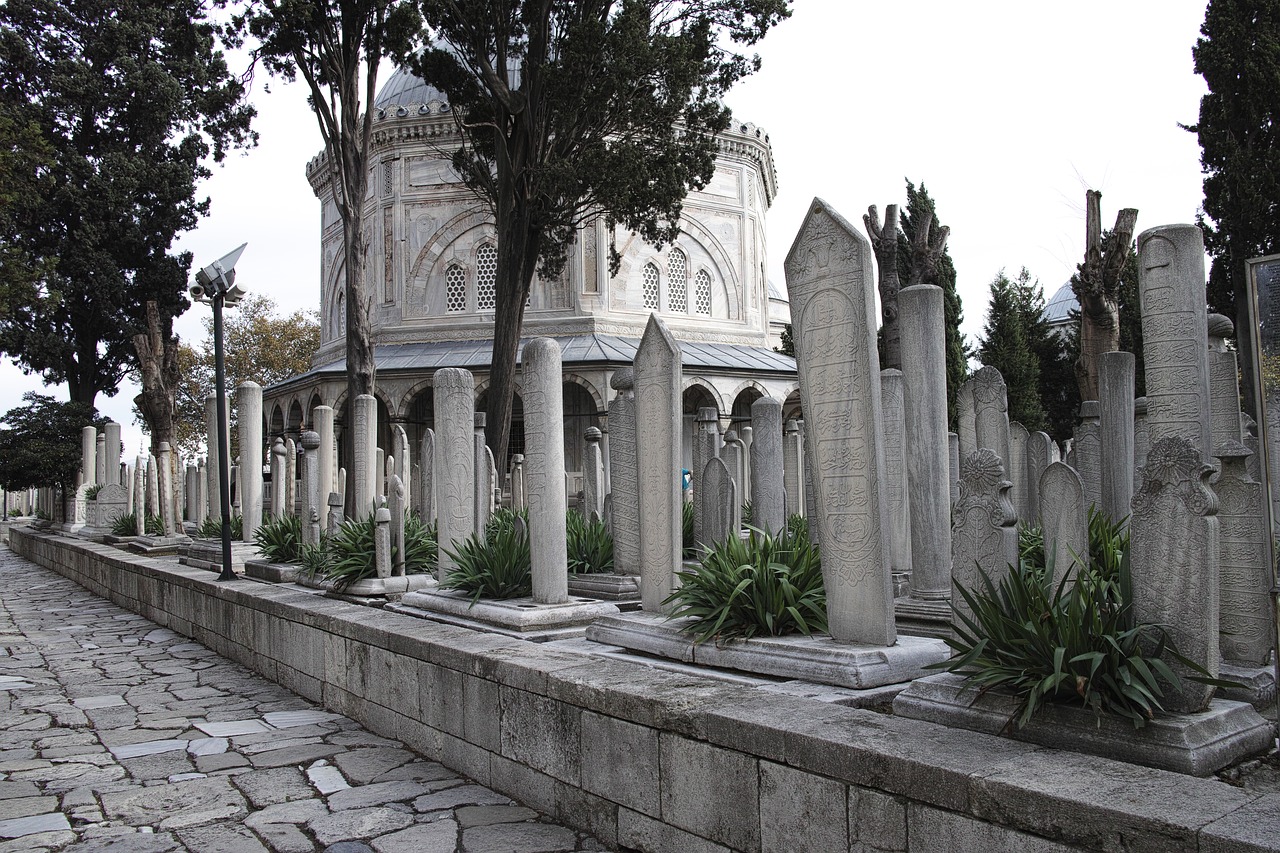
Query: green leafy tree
x,y
40,442
1238,55
130,100
921,213
25,178
570,110
1006,345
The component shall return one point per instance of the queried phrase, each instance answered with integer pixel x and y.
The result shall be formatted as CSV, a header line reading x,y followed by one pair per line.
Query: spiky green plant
x,y
154,526
499,567
279,538
689,548
211,528
420,547
91,493
314,557
590,545
351,554
764,584
797,526
125,525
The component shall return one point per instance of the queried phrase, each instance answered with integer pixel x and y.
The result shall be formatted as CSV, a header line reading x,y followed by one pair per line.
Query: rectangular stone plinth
x,y
1196,744
922,618
207,554
271,572
369,587
818,659
1257,684
159,546
608,587
520,615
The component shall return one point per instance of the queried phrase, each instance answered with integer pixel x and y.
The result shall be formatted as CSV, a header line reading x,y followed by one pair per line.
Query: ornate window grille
x,y
677,282
486,278
702,292
651,287
455,289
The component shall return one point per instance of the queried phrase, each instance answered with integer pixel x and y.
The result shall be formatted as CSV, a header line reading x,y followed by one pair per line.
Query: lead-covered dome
x,y
404,89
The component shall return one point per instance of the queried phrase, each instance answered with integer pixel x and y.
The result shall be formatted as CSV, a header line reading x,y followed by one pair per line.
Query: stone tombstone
x,y
426,491
100,459
290,476
88,456
706,446
380,464
1141,440
1039,457
335,516
953,468
724,512
1019,474
1174,331
1224,396
249,406
153,487
164,483
898,538
1253,464
593,487
311,488
278,454
1175,569
1064,519
985,531
192,478
454,464
404,465
1244,607
112,504
768,501
518,502
542,373
966,414
139,496
1086,453
1116,374
659,415
624,496
793,468
322,423
482,487
111,447
364,454
382,542
832,286
747,436
495,488
396,505
991,413
733,455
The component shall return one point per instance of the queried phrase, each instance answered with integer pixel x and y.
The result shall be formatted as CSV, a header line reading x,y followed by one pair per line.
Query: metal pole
x,y
224,440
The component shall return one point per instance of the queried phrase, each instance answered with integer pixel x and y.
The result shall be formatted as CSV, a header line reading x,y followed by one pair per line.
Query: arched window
x,y
651,287
455,289
486,277
702,292
677,282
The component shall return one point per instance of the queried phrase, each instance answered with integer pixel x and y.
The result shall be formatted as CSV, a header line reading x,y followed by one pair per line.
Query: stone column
x,y
249,406
928,444
165,487
426,493
111,447
543,375
724,513
202,492
334,518
482,487
768,510
140,496
896,490
1141,440
518,502
592,476
382,542
153,487
454,464
1224,396
380,481
88,456
191,477
658,376
832,284
278,454
1086,453
985,533
793,468
214,502
322,423
100,460
396,505
732,455
624,491
364,454
404,466
1018,471
706,439
1064,519
311,506
1115,393
1246,627
290,476
747,436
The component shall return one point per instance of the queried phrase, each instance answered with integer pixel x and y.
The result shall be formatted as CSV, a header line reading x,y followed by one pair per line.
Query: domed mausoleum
x,y
431,270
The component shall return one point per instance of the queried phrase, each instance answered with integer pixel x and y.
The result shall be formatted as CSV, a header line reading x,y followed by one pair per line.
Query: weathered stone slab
x,y
249,425
541,371
1064,519
624,475
1115,401
898,534
1039,457
658,428
518,614
723,512
1245,620
454,466
364,454
985,533
991,413
706,446
768,502
793,468
1018,473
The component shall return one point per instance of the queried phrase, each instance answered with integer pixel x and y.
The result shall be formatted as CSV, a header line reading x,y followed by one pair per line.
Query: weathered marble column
x,y
732,454
624,494
426,492
111,447
928,445
249,407
768,510
164,475
706,440
953,466
896,489
1224,395
592,476
322,423
88,456
454,465
364,453
290,476
482,488
100,459
404,466
1115,393
312,509
278,453
542,374
832,285
659,411
140,496
190,477
747,436
793,468
153,487
1064,519
1086,452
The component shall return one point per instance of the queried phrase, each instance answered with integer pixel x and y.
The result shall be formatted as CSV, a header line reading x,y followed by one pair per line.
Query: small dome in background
x,y
1059,308
403,89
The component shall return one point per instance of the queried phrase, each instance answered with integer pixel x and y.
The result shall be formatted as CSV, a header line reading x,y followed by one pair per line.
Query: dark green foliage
x,y
40,442
351,555
1075,642
91,493
40,514
420,549
279,538
129,101
314,558
762,585
688,548
746,513
788,343
153,526
212,529
590,545
127,525
500,567
797,526
1006,345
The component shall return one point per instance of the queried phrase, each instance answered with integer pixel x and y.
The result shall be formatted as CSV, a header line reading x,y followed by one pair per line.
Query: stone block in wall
x,y
641,832
877,821
1252,829
935,829
690,768
481,719
542,733
801,811
440,697
630,777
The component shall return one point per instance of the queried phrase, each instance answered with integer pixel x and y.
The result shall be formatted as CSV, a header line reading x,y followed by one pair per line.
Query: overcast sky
x,y
1006,111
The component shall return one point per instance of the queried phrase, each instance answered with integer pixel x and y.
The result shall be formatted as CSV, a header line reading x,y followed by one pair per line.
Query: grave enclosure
x,y
901,510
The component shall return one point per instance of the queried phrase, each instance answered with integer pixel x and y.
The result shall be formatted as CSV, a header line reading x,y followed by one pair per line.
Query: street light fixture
x,y
215,285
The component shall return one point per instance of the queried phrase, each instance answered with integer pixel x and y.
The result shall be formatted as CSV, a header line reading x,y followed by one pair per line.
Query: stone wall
x,y
660,761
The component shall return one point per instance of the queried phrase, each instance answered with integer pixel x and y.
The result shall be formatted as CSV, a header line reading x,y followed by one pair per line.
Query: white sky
x,y
1006,111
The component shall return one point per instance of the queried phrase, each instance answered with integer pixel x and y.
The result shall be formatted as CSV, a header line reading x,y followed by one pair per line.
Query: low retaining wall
x,y
658,761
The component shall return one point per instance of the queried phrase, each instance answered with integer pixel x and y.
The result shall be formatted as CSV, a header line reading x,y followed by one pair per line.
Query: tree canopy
x,y
574,109
40,442
128,101
1014,321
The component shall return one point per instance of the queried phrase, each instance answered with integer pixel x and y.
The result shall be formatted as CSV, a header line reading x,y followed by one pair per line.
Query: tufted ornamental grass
x,y
279,538
127,525
763,585
500,566
590,545
211,528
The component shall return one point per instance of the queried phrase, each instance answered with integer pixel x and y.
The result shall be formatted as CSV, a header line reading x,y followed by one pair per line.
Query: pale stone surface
x,y
482,488
723,511
734,455
396,509
768,501
1115,392
290,476
966,417
322,423
991,413
832,285
364,454
541,374
518,500
1174,535
793,468
985,532
747,436
706,441
1171,283
139,497
1224,395
1064,518
1018,472
382,542
1244,607
278,453
1039,457
249,424
88,456
211,471
100,459
1086,457
425,494
593,486
164,473
454,466
898,534
953,472
311,506
658,378
1141,440
153,486
404,465
624,496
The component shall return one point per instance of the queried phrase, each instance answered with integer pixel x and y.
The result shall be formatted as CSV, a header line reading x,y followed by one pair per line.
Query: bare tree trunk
x,y
517,263
158,364
884,240
1096,288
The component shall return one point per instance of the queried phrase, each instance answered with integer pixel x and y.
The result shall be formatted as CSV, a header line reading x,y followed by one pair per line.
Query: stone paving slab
x,y
119,735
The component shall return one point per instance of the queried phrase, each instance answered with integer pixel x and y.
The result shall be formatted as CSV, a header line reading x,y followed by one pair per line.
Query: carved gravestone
x,y
482,483
290,476
382,542
659,409
733,455
1175,568
831,282
953,473
1064,519
1141,441
454,465
278,454
404,467
540,368
1224,395
706,446
1039,458
724,515
991,413
426,491
88,456
898,540
518,501
624,495
1115,404
985,532
311,486
592,476
768,501
1244,580
396,505
966,418
249,425
1086,449
1019,474
112,504
322,423
793,468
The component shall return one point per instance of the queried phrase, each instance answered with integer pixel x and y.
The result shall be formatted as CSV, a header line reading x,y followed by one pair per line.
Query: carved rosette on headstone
x,y
659,408
985,532
1175,569
1244,582
454,464
542,374
623,491
991,413
1064,519
831,282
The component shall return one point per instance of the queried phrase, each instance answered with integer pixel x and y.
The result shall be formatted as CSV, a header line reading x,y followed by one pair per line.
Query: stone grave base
x,y
368,588
1259,684
1196,744
521,617
271,572
207,554
922,618
819,659
118,541
607,587
158,546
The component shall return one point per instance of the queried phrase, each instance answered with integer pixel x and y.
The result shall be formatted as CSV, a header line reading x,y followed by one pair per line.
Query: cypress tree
x,y
1006,346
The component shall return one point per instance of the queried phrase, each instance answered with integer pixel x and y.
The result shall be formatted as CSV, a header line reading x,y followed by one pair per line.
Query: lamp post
x,y
215,284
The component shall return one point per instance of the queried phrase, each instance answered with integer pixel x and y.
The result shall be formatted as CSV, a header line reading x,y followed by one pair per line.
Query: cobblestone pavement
x,y
119,735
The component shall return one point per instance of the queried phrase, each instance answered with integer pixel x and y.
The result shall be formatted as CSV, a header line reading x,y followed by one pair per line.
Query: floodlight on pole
x,y
215,285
